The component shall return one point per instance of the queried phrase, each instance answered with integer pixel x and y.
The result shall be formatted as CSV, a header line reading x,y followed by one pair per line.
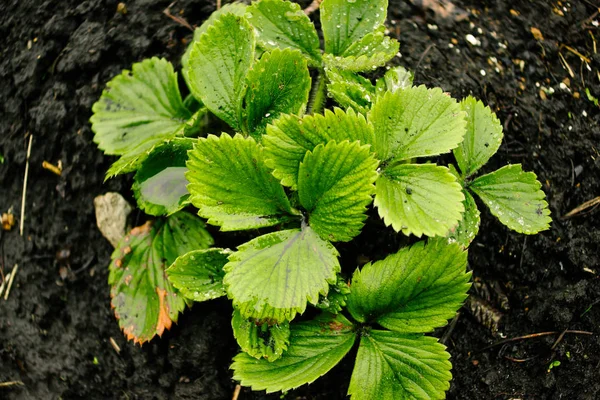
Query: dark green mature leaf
x,y
283,24
350,90
413,291
291,137
395,79
198,275
347,22
468,226
160,185
138,109
273,276
238,9
144,301
259,339
278,84
482,139
391,366
416,122
419,199
515,198
315,347
335,185
218,64
231,186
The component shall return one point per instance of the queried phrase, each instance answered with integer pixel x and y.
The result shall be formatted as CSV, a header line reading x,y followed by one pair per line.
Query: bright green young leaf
x,y
419,199
291,137
159,184
336,298
414,290
390,366
315,347
482,139
259,339
273,276
397,78
416,122
350,90
347,22
335,185
277,84
218,64
198,275
468,226
283,24
144,301
515,198
238,9
231,186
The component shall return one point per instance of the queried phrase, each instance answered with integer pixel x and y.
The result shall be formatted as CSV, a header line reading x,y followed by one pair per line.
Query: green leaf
x,y
397,78
416,122
468,226
238,9
273,276
160,185
259,339
231,186
218,65
391,366
347,22
515,198
198,275
137,110
144,301
414,290
482,139
350,90
336,298
315,347
419,199
282,24
335,186
291,137
278,84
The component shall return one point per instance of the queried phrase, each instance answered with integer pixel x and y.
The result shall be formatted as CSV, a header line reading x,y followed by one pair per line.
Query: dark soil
x,y
54,333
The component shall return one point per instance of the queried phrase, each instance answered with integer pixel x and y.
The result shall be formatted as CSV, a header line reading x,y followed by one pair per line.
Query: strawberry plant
x,y
311,144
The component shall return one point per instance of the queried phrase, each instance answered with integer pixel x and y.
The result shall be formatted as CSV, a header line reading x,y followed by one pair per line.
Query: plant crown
x,y
308,174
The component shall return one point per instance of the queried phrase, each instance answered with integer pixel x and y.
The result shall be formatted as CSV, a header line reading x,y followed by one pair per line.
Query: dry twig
x,y
25,186
179,20
532,336
10,281
236,392
11,383
584,206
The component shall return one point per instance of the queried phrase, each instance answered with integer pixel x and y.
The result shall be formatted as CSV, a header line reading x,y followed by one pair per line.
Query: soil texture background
x,y
56,326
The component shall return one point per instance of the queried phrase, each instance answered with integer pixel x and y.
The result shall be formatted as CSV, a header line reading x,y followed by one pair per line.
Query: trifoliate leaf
x,y
290,137
283,24
371,52
259,339
277,84
198,275
416,122
238,9
482,139
138,109
515,198
350,90
144,301
347,22
273,276
413,291
315,347
397,78
335,185
468,226
419,199
231,186
391,366
159,184
218,64
336,298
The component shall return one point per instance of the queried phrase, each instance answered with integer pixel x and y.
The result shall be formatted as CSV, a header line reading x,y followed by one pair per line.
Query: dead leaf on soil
x,y
443,9
112,211
537,34
8,221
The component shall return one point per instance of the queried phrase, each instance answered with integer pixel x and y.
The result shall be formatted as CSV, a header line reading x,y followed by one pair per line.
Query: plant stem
x,y
317,98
